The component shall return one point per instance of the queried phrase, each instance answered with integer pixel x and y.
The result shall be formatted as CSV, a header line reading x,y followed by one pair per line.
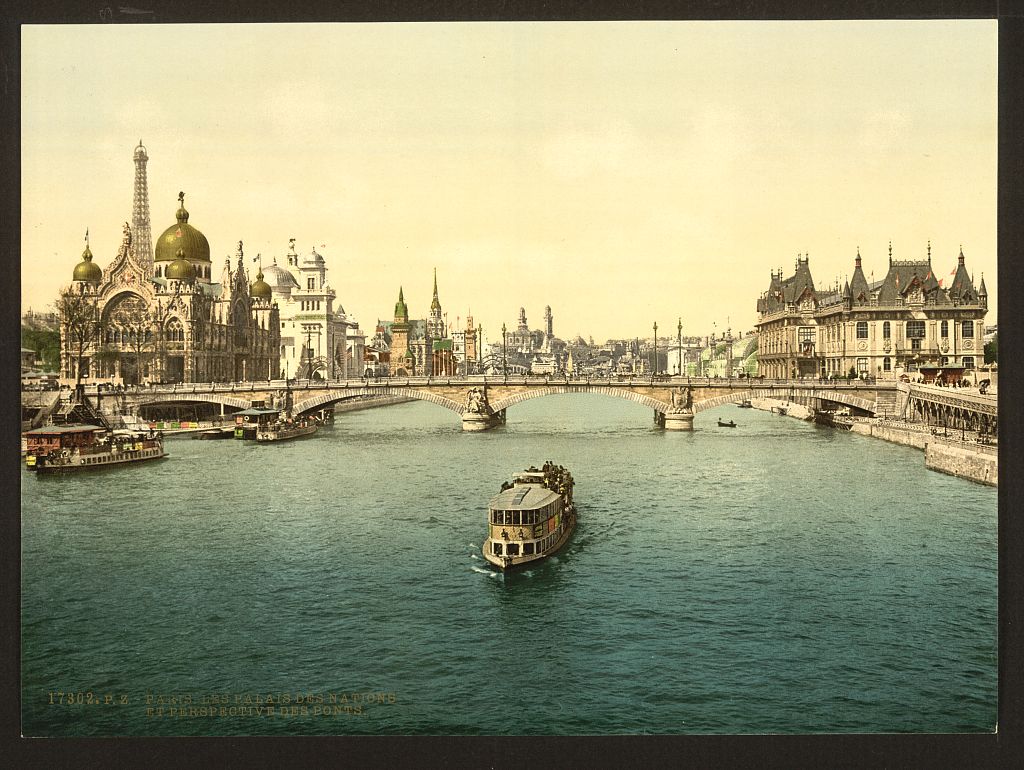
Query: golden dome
x,y
181,236
260,288
180,269
87,270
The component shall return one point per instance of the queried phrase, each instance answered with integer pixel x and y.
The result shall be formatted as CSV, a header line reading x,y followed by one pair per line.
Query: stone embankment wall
x,y
963,461
893,433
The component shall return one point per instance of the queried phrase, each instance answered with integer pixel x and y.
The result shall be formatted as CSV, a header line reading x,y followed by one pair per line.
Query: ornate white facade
x,y
313,326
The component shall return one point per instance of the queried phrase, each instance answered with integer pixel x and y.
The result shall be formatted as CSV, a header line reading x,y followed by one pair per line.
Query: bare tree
x,y
80,327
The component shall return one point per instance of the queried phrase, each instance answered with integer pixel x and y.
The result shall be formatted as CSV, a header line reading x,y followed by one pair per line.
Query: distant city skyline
x,y
622,173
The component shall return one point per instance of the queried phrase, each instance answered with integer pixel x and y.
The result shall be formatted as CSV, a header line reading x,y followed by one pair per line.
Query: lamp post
x,y
309,354
654,366
679,347
504,351
728,363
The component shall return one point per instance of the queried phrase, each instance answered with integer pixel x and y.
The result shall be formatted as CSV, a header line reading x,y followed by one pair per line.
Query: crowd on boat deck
x,y
555,478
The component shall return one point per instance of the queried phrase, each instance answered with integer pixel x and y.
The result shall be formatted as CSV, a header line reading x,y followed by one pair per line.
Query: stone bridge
x,y
482,401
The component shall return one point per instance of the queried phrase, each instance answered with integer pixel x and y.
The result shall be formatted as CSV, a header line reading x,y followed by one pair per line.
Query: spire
x,y
960,259
929,251
856,262
435,303
401,311
890,252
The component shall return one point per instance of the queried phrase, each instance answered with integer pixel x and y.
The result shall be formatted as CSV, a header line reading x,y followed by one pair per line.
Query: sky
x,y
624,173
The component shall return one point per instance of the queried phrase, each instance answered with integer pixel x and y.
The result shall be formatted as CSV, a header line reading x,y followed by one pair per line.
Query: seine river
x,y
774,578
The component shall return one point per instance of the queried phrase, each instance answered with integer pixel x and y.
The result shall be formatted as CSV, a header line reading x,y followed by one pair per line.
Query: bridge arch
x,y
726,398
547,390
328,397
203,398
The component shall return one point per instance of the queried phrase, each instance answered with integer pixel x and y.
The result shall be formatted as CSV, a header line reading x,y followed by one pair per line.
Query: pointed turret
x,y
401,311
858,286
962,288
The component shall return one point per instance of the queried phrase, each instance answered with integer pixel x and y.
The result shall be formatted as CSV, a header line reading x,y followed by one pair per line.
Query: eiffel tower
x,y
142,238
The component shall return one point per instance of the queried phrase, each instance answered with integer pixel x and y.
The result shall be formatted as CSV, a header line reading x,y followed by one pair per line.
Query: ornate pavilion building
x,y
314,327
170,322
907,322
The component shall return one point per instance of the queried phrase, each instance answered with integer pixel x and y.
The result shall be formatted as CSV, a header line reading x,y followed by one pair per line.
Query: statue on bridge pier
x,y
679,416
682,399
477,402
478,414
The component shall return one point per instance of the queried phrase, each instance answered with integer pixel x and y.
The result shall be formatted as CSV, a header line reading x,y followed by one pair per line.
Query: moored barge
x,y
531,518
65,448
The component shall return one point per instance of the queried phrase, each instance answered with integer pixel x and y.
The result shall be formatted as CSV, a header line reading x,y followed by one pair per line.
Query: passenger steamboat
x,y
64,448
531,518
249,422
284,431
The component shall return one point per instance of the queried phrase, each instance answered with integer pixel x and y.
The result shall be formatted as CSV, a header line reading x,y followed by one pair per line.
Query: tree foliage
x,y
992,350
46,344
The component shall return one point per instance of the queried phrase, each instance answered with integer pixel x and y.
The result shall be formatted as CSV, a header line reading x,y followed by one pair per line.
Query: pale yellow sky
x,y
622,173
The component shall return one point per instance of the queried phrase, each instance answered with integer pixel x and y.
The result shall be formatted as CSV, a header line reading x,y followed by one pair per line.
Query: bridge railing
x,y
735,383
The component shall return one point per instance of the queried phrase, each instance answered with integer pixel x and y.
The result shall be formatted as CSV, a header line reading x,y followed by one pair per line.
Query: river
x,y
778,577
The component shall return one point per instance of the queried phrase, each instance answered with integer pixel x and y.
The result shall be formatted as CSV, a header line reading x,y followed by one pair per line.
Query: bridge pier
x,y
678,420
477,421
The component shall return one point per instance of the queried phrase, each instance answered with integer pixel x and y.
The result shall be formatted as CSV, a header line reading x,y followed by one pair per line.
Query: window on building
x,y
967,329
887,364
967,362
886,330
862,366
862,330
944,361
915,330
944,329
527,549
311,283
497,548
915,344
